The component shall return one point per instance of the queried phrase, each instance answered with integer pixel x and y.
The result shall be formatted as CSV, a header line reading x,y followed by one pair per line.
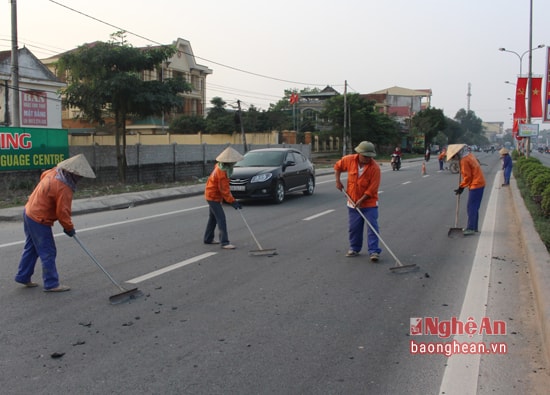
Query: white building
x,y
39,101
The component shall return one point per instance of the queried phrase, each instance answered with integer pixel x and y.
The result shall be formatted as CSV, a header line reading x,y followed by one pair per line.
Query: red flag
x,y
521,88
536,102
294,98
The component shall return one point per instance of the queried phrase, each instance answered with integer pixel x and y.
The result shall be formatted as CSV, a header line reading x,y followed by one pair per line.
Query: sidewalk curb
x,y
538,260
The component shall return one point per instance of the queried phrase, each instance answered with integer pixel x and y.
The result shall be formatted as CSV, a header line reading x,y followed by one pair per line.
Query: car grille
x,y
239,181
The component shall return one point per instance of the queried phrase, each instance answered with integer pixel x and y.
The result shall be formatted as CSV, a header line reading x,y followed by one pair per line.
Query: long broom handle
x,y
250,230
97,263
458,196
457,208
372,228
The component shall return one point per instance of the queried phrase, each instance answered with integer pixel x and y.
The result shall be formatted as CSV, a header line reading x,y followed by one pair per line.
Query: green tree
x,y
366,123
219,120
469,121
104,80
472,128
453,131
429,122
188,124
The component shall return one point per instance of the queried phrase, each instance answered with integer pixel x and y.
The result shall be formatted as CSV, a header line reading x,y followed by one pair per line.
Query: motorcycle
x,y
454,166
395,162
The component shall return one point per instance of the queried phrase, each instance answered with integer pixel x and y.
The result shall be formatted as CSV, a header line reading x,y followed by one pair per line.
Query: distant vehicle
x,y
272,173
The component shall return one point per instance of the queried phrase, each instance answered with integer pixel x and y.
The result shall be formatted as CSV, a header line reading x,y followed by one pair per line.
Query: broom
x,y
399,265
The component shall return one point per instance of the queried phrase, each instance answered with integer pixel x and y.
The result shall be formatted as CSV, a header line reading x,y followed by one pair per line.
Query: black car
x,y
272,173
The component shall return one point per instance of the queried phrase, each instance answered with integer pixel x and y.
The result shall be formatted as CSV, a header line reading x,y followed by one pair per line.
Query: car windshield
x,y
262,159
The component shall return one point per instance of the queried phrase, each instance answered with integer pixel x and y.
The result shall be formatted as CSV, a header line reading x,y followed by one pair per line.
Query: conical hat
x,y
77,165
503,151
229,155
453,149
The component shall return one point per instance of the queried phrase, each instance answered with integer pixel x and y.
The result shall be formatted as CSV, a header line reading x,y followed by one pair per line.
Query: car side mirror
x,y
289,163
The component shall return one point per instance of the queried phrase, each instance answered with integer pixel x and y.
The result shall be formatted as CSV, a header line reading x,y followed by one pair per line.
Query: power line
x,y
198,57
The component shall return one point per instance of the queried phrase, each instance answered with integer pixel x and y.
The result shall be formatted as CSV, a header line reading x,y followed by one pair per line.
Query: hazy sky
x,y
292,44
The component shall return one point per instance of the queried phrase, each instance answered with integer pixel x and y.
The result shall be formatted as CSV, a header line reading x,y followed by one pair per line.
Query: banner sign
x,y
34,106
528,129
31,148
546,114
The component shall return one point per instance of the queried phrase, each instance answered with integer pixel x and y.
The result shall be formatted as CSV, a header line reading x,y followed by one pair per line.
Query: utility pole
x,y
16,118
344,135
242,126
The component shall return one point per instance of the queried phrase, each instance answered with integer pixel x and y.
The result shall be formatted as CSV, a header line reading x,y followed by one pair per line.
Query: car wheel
x,y
310,186
279,192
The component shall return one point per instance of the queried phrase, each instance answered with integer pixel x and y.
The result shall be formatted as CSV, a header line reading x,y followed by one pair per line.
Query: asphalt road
x,y
306,321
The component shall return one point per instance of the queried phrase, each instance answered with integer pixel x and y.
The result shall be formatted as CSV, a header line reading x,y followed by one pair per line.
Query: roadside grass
x,y
541,222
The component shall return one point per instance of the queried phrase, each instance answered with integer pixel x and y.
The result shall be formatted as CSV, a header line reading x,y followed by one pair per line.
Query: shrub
x,y
539,181
545,202
524,162
528,171
532,173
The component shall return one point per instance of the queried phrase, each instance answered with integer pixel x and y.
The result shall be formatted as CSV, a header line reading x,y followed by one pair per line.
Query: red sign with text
x,y
34,106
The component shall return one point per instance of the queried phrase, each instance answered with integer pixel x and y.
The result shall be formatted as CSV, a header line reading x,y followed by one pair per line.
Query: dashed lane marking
x,y
170,268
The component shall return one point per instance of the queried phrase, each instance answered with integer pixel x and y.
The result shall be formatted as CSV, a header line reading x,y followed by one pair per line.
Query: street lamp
x,y
520,57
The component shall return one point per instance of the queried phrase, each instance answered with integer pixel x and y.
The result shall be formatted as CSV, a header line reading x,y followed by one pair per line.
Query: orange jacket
x,y
51,201
441,155
471,173
366,184
217,187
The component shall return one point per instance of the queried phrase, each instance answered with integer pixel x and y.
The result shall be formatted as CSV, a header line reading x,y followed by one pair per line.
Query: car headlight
x,y
261,177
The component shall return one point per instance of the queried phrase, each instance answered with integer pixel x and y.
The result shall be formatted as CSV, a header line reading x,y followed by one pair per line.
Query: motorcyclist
x,y
397,155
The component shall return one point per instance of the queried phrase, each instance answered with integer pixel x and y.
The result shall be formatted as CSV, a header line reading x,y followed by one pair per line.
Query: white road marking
x,y
406,182
167,269
129,221
462,371
317,215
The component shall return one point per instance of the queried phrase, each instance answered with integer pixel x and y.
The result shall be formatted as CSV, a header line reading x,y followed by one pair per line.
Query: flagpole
x,y
529,77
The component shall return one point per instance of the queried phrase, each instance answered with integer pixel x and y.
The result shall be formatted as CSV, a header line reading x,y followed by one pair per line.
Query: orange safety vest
x,y
51,200
472,175
217,187
366,184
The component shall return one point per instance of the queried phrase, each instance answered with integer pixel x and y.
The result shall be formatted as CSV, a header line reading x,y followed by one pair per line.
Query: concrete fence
x,y
145,163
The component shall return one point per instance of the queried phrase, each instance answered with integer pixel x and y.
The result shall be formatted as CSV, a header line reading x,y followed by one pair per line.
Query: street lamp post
x,y
520,57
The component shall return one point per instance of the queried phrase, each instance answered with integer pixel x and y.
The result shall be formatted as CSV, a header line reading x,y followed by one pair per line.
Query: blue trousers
x,y
39,243
357,225
474,202
216,216
507,174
